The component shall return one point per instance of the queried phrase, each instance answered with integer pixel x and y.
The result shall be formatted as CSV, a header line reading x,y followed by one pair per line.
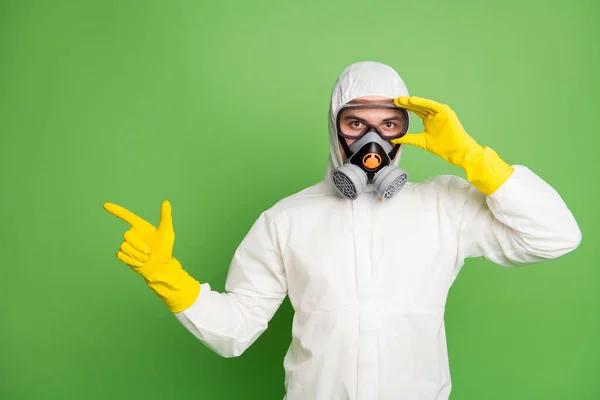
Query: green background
x,y
221,107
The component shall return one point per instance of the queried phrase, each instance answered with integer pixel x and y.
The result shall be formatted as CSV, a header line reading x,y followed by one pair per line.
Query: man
x,y
366,258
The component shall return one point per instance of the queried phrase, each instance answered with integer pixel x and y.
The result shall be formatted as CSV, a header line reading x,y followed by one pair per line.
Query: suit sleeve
x,y
524,221
229,323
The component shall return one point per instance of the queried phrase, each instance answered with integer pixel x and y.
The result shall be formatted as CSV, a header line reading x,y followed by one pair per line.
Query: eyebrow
x,y
352,116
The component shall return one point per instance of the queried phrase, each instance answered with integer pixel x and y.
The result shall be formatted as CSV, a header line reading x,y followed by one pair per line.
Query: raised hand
x,y
445,136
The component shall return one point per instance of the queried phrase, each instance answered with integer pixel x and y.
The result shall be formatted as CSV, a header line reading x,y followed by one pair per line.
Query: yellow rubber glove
x,y
444,136
149,252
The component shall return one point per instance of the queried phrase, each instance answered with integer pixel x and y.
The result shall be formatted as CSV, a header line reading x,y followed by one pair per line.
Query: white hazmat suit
x,y
368,279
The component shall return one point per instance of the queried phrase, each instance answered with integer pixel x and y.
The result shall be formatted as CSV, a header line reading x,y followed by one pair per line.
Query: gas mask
x,y
370,158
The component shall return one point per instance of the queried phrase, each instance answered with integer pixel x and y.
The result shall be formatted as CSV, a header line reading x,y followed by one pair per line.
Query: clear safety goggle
x,y
353,122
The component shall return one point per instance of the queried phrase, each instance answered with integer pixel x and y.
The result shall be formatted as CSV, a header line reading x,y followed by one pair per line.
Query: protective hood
x,y
365,78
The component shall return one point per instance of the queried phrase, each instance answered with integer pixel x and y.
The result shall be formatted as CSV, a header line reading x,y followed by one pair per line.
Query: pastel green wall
x,y
221,107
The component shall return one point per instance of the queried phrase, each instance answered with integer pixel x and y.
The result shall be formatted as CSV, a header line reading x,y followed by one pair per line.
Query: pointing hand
x,y
149,251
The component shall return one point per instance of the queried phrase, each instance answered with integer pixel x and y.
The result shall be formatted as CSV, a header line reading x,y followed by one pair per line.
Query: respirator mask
x,y
370,155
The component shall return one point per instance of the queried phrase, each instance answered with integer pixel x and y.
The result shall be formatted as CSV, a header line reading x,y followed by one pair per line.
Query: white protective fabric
x,y
368,279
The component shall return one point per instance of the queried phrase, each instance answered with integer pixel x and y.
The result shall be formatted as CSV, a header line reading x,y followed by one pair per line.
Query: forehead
x,y
371,99
371,111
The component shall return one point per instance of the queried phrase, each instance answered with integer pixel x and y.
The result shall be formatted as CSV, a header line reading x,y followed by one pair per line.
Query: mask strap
x,y
345,147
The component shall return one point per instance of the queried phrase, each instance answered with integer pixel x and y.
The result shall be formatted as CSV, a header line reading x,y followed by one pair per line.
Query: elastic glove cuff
x,y
176,288
486,170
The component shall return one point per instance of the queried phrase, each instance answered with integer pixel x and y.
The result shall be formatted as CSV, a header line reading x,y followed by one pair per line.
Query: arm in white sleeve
x,y
228,323
524,221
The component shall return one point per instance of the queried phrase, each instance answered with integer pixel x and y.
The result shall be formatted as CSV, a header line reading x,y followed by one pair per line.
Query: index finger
x,y
426,103
127,216
406,103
